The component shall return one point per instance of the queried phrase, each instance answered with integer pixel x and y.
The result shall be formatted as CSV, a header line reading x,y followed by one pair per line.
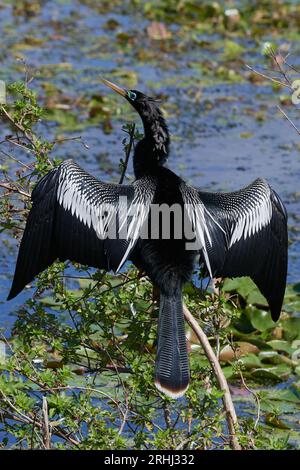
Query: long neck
x,y
152,151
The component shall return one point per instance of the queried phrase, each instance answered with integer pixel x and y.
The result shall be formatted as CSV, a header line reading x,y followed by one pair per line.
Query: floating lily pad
x,y
291,328
250,361
246,288
280,345
274,421
260,319
277,373
241,348
265,355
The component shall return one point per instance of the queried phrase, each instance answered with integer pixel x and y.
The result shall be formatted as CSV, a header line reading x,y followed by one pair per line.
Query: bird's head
x,y
156,130
137,99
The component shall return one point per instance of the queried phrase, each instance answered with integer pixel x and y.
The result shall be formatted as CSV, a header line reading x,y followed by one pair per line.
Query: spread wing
x,y
77,217
247,236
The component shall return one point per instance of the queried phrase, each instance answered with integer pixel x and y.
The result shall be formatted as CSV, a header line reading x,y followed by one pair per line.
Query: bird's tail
x,y
172,365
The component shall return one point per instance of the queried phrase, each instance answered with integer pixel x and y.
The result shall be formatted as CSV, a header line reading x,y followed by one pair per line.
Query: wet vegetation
x,y
80,344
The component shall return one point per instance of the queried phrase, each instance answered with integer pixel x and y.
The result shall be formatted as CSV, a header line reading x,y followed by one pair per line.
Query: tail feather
x,y
172,364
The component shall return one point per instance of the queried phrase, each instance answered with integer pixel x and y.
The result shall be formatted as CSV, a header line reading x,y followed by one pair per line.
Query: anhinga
x,y
242,233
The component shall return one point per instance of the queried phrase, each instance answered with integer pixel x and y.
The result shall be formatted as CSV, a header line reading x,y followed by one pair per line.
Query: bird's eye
x,y
131,95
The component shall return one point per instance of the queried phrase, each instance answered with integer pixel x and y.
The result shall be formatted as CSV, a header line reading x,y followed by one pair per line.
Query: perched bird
x,y
77,217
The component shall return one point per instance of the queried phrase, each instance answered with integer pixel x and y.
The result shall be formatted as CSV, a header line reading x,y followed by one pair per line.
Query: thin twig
x,y
46,427
128,151
32,433
85,389
289,119
292,67
252,392
21,417
256,397
124,420
10,156
65,139
14,189
183,443
29,137
280,68
227,400
269,78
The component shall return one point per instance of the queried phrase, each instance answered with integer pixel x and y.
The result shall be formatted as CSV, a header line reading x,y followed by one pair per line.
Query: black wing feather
x,y
261,254
54,230
36,251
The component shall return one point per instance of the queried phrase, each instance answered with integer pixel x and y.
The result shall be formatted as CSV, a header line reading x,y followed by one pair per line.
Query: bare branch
x,y
280,68
46,427
289,119
274,80
128,151
65,139
30,138
9,187
217,370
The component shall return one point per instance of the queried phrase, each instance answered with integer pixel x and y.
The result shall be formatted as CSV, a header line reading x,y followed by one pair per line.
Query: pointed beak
x,y
114,87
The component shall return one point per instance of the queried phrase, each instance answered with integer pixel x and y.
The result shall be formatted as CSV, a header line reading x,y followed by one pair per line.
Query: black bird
x,y
242,233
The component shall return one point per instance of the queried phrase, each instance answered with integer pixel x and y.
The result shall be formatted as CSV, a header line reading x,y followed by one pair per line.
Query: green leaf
x,y
260,319
272,420
291,327
280,345
246,288
277,373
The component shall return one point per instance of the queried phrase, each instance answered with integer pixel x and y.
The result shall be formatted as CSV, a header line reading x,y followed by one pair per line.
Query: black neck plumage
x,y
151,152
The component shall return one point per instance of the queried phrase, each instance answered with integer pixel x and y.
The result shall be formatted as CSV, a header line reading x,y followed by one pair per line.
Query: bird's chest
x,y
166,212
168,189
163,249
